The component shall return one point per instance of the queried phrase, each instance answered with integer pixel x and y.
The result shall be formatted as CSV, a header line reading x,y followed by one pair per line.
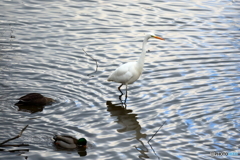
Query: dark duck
x,y
35,98
33,102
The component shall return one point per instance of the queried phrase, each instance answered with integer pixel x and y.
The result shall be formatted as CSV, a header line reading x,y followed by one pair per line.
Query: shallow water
x,y
190,80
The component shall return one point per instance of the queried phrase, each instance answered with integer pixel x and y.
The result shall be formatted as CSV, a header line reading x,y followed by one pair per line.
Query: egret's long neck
x,y
142,56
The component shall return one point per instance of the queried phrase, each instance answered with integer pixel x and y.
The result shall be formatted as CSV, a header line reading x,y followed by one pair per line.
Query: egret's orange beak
x,y
158,37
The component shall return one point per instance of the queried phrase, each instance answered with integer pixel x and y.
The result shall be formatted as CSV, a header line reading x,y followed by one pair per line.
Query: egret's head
x,y
152,35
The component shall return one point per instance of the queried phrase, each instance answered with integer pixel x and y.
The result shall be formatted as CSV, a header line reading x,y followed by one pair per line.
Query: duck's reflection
x,y
29,108
129,122
82,152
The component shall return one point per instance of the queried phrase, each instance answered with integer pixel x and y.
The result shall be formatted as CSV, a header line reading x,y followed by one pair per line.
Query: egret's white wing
x,y
122,74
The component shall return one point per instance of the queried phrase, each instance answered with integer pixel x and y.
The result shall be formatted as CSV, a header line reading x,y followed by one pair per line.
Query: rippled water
x,y
190,80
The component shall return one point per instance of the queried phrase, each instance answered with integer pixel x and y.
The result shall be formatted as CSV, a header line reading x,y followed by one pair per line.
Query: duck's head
x,y
82,142
49,100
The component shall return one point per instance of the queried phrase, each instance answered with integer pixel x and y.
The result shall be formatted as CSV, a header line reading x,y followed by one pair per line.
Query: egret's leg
x,y
119,88
126,95
126,90
120,97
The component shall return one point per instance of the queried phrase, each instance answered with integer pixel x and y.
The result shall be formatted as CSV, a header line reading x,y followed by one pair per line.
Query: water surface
x,y
190,80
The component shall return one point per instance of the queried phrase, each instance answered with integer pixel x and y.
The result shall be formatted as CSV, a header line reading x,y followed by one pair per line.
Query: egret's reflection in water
x,y
128,120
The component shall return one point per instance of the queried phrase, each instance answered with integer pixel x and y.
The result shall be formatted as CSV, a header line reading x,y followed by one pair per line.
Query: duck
x,y
69,142
34,99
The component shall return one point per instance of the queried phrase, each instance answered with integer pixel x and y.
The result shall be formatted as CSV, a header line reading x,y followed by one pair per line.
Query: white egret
x,y
129,72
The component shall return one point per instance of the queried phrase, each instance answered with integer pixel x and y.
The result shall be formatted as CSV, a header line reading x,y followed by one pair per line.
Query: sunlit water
x,y
190,80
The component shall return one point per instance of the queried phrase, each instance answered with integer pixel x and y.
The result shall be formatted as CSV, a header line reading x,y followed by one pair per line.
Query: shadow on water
x,y
129,122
